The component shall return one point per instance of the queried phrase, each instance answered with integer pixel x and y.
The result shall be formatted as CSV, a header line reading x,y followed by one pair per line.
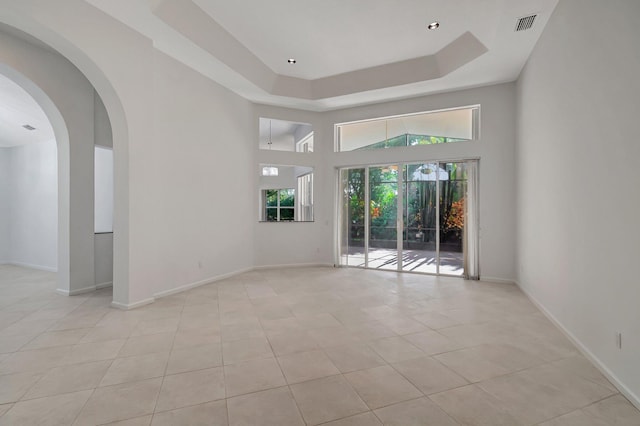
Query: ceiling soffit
x,y
192,22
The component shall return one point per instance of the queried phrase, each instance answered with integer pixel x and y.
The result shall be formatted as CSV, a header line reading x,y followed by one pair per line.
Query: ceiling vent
x,y
525,22
29,127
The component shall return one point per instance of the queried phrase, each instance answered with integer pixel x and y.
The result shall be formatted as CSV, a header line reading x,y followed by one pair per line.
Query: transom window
x,y
425,128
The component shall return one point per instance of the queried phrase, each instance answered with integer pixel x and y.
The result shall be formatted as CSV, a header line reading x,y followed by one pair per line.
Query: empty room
x,y
364,212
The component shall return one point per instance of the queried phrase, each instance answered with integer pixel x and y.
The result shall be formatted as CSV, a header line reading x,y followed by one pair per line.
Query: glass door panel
x,y
383,213
453,190
420,204
432,202
352,232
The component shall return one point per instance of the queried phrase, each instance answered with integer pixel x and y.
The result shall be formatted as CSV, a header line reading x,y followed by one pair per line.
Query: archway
x,y
64,93
28,183
62,142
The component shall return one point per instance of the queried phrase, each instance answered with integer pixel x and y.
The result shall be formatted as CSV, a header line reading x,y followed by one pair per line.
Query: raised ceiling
x,y
348,52
333,37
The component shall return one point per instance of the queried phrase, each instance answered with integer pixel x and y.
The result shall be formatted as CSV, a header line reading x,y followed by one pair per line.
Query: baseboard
x,y
62,292
76,292
189,286
631,396
210,280
126,307
32,266
496,280
104,285
177,290
291,265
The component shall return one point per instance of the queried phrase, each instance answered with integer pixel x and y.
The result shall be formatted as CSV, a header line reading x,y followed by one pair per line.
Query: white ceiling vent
x,y
525,22
29,127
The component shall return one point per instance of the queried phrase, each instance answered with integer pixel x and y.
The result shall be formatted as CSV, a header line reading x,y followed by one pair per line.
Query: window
x,y
282,135
279,205
305,198
305,144
424,128
285,193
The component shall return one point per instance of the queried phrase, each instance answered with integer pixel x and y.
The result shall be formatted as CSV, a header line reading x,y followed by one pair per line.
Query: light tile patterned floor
x,y
295,347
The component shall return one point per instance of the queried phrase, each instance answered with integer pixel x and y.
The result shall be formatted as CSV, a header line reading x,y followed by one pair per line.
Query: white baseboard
x,y
76,292
496,280
83,290
126,307
177,290
210,280
104,285
189,286
292,265
631,396
32,266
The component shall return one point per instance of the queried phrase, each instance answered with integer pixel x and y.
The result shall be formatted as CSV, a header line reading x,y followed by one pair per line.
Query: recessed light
x,y
434,25
291,61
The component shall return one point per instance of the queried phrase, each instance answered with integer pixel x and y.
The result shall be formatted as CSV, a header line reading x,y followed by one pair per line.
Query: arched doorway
x,y
28,182
67,98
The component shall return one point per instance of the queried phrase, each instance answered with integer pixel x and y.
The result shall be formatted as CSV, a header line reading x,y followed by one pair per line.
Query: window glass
x,y
409,130
282,135
286,195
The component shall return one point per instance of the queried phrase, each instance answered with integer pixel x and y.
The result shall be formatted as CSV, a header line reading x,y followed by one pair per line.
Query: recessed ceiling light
x,y
291,61
434,25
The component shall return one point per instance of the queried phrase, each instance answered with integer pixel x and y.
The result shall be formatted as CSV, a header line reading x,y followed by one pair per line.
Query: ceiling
x,y
18,108
348,53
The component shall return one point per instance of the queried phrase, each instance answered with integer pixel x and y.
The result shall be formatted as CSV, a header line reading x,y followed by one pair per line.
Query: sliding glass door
x,y
383,216
420,231
418,217
353,231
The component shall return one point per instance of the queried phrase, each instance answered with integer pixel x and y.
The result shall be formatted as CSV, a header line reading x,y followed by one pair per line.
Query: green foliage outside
x,y
286,198
420,202
410,140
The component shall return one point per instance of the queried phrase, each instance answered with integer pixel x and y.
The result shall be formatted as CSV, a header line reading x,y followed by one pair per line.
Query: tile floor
x,y
294,347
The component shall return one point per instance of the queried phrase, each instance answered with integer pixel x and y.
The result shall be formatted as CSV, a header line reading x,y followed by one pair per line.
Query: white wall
x,y
104,259
289,243
197,177
180,150
103,194
33,205
4,205
103,243
578,197
49,79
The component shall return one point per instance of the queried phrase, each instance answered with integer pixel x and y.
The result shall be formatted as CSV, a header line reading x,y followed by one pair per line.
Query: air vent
x,y
525,22
29,127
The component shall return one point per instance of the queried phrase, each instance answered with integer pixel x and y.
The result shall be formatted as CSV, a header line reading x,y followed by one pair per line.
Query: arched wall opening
x,y
62,143
68,100
28,182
